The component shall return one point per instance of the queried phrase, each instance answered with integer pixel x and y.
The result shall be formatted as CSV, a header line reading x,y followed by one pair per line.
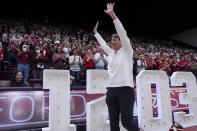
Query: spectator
x,y
182,63
67,55
38,64
165,67
75,62
88,60
59,59
45,36
13,49
27,41
5,42
174,65
83,53
23,62
141,63
100,59
151,64
66,51
46,52
18,80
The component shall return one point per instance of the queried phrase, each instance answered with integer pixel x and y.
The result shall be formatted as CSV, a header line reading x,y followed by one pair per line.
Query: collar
x,y
120,50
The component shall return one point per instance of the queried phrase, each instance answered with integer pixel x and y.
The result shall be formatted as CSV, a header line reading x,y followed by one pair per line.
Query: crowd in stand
x,y
34,47
163,55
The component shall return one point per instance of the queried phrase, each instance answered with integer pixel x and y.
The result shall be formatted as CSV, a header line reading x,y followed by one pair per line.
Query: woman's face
x,y
115,43
74,52
141,57
19,76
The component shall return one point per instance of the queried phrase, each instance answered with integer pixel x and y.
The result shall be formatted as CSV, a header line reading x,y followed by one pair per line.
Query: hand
x,y
38,56
110,10
45,45
62,56
74,58
91,56
96,27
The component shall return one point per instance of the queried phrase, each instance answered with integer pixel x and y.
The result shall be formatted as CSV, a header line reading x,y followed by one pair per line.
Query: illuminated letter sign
x,y
181,118
97,112
146,121
12,107
58,83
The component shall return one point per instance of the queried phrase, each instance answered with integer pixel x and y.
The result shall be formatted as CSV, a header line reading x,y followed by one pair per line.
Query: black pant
x,y
120,100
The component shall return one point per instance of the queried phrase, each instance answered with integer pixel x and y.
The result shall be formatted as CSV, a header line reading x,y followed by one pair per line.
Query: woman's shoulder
x,y
22,84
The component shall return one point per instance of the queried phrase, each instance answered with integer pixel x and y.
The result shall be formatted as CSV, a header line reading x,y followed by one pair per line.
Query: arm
x,y
40,57
88,59
105,59
138,63
80,61
71,60
145,64
85,59
9,47
64,57
17,47
47,51
20,53
126,44
55,58
101,41
95,60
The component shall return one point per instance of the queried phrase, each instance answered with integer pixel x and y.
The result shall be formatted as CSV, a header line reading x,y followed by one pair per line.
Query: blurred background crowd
x,y
30,47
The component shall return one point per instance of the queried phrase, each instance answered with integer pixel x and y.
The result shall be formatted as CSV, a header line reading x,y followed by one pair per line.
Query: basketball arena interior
x,y
42,89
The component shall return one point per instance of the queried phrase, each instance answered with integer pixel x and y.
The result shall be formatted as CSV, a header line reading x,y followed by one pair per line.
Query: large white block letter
x,y
181,118
146,121
97,81
97,112
58,83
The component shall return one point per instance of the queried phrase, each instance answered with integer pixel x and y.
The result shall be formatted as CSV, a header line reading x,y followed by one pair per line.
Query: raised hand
x,y
96,27
110,10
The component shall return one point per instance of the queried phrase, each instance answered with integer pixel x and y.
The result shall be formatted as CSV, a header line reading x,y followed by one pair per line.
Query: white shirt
x,y
141,65
120,64
66,51
75,65
100,60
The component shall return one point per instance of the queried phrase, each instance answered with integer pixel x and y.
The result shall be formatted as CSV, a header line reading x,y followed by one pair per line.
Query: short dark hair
x,y
115,36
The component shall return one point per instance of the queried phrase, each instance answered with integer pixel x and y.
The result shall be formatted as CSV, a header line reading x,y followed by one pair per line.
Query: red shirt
x,y
36,43
13,50
182,64
59,60
149,63
160,66
36,61
46,55
174,67
23,57
164,69
89,64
